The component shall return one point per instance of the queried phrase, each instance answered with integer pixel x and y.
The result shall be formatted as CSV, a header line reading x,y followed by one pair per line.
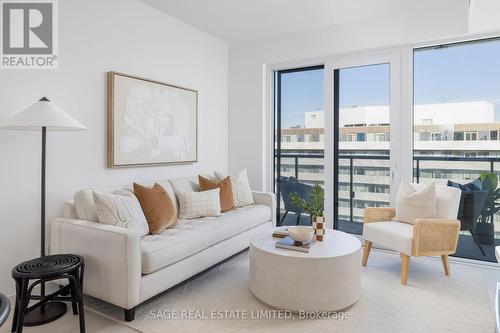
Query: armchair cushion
x,y
413,203
394,235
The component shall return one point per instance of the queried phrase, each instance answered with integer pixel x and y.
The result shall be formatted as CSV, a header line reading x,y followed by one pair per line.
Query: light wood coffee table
x,y
328,278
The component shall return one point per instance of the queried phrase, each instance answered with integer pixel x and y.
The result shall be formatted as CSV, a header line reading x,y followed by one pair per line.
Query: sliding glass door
x,y
363,134
299,138
365,107
456,131
333,127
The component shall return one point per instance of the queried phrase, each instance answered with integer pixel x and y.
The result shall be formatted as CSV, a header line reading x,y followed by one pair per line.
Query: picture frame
x,y
150,122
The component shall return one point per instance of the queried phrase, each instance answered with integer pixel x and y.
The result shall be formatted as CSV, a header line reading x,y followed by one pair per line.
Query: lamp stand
x,y
51,310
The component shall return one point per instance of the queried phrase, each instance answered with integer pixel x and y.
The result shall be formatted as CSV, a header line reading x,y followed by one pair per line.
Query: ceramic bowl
x,y
301,233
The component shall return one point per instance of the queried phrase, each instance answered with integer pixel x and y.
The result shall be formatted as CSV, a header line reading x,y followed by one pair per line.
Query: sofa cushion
x,y
157,206
394,235
241,188
191,236
414,203
194,205
225,194
186,184
85,205
122,210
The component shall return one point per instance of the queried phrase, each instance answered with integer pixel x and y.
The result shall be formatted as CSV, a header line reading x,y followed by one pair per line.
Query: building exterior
x,y
464,131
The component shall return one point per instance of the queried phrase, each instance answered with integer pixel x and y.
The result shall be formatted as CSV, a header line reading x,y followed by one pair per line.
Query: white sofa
x,y
125,269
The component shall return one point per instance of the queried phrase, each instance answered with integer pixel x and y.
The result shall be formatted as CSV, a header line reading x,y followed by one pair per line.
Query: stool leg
x,y
16,306
80,306
82,270
23,304
73,297
75,290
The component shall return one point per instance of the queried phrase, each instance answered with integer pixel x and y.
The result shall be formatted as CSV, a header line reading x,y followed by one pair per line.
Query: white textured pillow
x,y
241,188
121,210
412,203
199,204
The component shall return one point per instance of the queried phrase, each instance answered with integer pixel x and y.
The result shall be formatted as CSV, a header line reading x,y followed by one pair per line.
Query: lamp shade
x,y
43,113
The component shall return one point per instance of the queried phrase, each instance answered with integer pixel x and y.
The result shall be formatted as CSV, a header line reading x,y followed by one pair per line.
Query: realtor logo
x,y
29,34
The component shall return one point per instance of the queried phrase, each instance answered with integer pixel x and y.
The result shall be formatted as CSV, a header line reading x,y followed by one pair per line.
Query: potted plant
x,y
314,207
484,227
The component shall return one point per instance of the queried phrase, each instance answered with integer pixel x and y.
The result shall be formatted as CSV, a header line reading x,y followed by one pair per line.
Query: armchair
x,y
426,237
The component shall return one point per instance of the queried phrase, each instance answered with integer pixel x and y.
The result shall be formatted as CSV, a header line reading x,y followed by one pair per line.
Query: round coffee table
x,y
328,278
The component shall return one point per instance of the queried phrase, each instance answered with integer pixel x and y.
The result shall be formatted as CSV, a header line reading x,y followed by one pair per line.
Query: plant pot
x,y
485,233
318,223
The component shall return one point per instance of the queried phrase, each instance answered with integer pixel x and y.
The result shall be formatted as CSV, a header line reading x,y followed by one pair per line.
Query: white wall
x,y
484,15
96,37
420,20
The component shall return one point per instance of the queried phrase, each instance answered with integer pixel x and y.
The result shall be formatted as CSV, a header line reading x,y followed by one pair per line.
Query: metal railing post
x,y
418,170
297,167
351,188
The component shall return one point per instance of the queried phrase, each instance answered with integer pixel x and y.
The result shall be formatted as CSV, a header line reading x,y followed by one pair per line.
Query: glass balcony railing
x,y
364,181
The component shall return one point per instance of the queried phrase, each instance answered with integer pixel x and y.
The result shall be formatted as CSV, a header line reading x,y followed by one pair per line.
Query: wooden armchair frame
x,y
431,237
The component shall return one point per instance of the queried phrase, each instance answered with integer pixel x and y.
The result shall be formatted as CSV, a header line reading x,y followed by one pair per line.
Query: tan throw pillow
x,y
242,192
412,203
226,191
157,206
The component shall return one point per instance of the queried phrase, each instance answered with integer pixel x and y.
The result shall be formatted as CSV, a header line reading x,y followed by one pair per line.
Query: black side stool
x,y
49,307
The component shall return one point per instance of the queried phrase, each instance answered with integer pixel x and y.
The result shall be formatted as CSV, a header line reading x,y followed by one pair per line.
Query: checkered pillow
x,y
199,204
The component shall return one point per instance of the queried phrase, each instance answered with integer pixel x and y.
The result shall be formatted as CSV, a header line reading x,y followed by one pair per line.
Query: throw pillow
x,y
241,188
226,191
199,204
412,203
157,206
474,185
471,202
121,210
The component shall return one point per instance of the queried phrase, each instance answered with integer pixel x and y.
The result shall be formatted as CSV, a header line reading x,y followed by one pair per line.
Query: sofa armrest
x,y
112,258
69,210
267,199
435,237
379,214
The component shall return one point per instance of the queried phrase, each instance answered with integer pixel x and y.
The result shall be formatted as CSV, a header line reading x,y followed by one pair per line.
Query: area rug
x,y
219,300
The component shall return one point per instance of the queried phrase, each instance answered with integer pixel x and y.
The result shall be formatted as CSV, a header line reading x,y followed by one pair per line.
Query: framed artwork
x,y
150,122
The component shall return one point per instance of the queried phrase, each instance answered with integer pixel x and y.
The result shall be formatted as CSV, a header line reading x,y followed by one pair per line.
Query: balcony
x,y
363,181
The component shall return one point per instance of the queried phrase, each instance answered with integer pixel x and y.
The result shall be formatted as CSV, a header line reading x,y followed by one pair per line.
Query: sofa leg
x,y
366,252
129,314
446,264
405,265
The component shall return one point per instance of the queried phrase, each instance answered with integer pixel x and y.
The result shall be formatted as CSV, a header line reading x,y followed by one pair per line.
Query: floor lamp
x,y
43,116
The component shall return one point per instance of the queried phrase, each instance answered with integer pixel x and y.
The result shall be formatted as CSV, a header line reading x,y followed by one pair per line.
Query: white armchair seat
x,y
396,236
191,236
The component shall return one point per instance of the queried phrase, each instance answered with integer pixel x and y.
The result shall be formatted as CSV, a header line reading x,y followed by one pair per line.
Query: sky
x,y
466,72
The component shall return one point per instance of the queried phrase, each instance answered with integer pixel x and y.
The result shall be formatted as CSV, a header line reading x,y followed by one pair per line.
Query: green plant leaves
x,y
489,183
313,207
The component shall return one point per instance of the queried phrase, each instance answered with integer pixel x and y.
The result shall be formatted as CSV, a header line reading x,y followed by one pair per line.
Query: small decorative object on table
x,y
319,227
315,208
301,233
289,244
280,232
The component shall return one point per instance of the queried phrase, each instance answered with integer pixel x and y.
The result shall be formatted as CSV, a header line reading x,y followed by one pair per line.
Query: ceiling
x,y
234,20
